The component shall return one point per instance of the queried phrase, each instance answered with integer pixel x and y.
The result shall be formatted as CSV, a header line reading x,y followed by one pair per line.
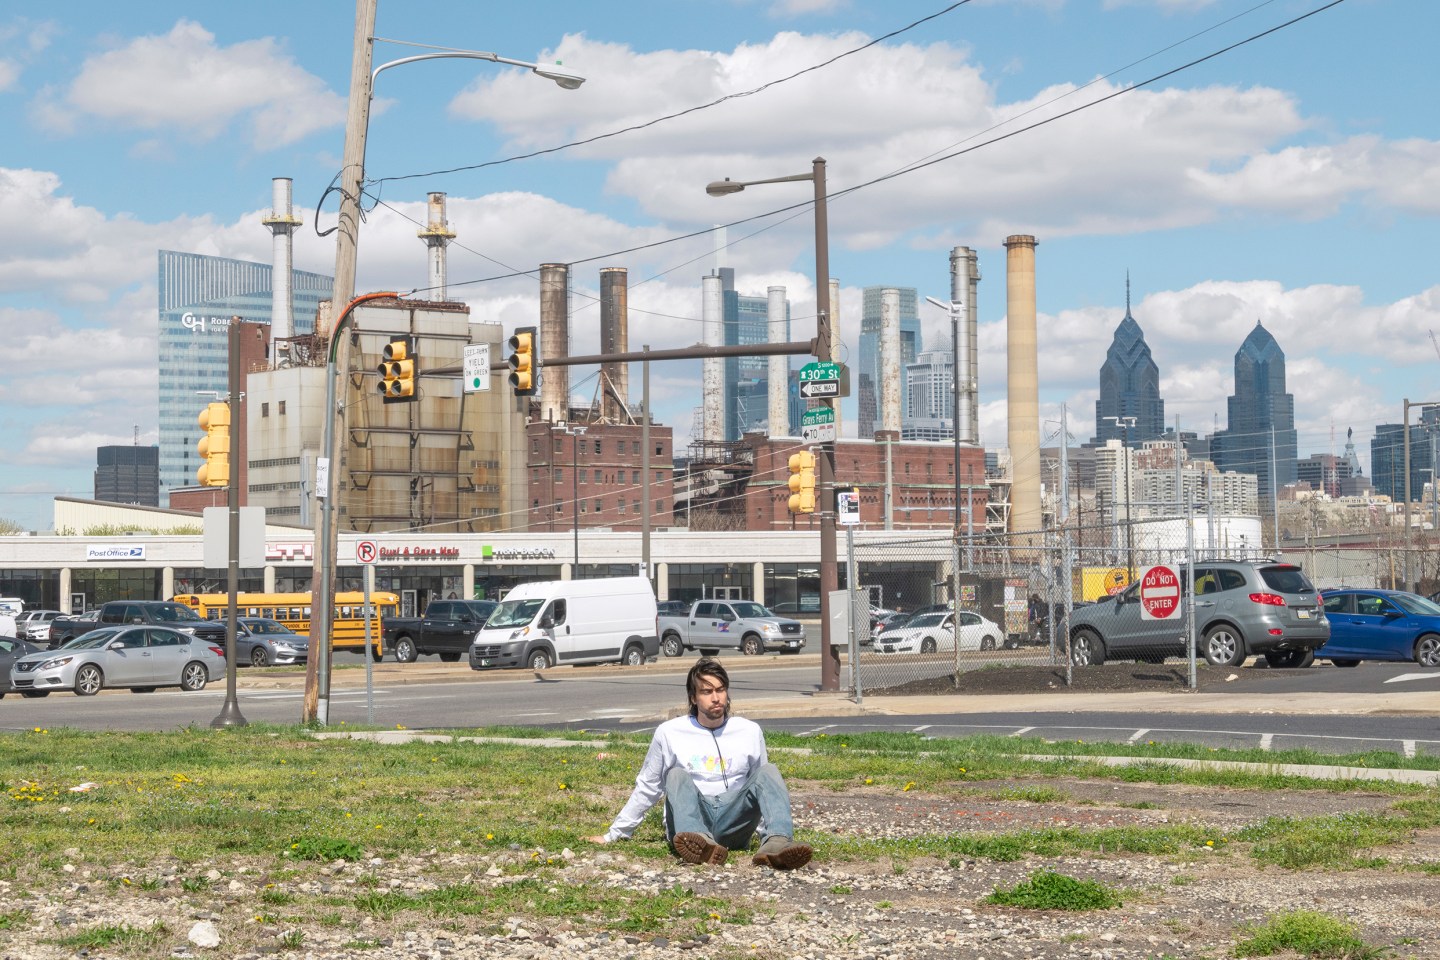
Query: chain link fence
x,y
931,607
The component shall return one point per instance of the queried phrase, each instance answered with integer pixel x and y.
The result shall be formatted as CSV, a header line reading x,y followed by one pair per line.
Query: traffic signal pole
x,y
230,715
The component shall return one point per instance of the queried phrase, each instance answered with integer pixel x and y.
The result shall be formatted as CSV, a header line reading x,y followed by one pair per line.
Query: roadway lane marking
x,y
814,730
1266,739
1022,731
923,726
1414,676
538,713
1408,746
1137,735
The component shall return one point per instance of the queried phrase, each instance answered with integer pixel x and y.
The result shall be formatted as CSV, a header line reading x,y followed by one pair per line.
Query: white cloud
x,y
184,81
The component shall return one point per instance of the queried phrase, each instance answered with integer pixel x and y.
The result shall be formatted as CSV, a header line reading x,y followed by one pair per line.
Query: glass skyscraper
x,y
1387,455
747,379
867,390
1260,429
198,296
1129,387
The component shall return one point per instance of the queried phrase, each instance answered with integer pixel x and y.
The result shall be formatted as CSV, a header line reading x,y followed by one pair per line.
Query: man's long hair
x,y
705,667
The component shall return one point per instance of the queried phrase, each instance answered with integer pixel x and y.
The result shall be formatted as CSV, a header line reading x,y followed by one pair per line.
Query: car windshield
x,y
1417,605
927,620
91,640
173,613
1286,579
750,611
514,613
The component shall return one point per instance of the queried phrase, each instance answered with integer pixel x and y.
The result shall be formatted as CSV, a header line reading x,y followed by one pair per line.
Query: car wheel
x,y
634,656
1346,663
450,657
404,650
539,659
1223,647
259,657
1291,659
89,680
671,645
927,645
34,694
988,643
1427,650
194,677
751,645
1087,649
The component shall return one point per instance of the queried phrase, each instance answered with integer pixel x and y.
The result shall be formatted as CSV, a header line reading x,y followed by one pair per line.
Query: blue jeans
x,y
733,816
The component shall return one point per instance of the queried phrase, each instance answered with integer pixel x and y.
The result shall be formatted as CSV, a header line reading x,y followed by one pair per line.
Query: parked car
x,y
808,607
889,621
160,613
934,632
539,625
714,625
261,642
34,625
1381,625
12,649
448,628
139,657
1242,608
672,608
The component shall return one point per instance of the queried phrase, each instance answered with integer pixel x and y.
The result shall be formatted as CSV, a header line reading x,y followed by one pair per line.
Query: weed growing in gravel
x,y
1308,933
1048,890
11,919
121,937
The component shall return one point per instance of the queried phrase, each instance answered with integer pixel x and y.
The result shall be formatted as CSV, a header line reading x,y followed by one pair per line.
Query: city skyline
x,y
1261,184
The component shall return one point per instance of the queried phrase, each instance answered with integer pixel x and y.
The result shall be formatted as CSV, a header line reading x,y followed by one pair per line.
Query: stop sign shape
x,y
1159,594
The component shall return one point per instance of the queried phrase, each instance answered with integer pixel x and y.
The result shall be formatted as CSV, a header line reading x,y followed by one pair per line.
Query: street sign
x,y
477,367
366,551
818,426
823,381
1159,594
847,506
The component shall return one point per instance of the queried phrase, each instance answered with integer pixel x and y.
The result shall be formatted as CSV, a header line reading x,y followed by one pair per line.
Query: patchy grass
x,y
1048,890
1309,934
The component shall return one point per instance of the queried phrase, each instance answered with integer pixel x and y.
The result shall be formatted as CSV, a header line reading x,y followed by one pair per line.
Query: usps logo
x,y
115,553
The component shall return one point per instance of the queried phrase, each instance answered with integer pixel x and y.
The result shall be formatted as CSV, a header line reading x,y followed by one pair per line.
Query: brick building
x,y
593,478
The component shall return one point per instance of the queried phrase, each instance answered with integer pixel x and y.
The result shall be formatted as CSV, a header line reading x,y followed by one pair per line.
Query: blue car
x,y
1381,625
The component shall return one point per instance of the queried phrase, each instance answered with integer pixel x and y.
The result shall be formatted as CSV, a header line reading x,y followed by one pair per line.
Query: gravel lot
x,y
1190,906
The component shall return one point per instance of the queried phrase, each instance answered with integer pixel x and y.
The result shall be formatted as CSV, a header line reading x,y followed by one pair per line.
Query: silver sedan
x,y
139,657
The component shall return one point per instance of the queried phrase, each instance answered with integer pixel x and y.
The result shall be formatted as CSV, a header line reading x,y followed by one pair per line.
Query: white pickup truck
x,y
714,625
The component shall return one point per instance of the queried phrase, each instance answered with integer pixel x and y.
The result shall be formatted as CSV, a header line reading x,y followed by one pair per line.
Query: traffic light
x,y
214,446
524,361
397,371
802,482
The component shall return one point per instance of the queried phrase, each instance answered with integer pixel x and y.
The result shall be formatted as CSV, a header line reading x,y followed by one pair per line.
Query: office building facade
x,y
1260,436
128,475
867,389
746,321
198,294
930,396
1129,389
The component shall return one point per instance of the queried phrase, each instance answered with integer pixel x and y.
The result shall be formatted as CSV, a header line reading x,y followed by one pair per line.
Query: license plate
x,y
792,644
1304,614
888,649
484,663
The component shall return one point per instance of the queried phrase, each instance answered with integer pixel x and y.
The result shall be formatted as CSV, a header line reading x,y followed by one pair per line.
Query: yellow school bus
x,y
347,626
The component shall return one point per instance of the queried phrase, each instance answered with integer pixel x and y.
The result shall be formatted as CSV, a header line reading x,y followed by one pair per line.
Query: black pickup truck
x,y
160,613
447,629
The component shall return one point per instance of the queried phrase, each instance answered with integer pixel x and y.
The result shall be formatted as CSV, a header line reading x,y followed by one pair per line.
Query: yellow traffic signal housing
x,y
524,361
802,482
214,446
397,371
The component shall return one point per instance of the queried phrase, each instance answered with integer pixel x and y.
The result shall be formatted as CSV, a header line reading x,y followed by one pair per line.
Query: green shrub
x,y
1048,890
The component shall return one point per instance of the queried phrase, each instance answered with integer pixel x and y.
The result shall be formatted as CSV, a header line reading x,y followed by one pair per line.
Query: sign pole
x,y
366,551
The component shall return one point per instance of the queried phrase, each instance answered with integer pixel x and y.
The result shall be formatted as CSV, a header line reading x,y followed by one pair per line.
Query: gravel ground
x,y
1190,906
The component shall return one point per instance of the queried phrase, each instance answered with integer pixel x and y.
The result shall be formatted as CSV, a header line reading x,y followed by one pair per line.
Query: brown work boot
x,y
782,853
701,848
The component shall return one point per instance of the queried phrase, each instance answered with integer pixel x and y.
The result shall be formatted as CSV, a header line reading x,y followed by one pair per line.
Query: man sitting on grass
x,y
717,780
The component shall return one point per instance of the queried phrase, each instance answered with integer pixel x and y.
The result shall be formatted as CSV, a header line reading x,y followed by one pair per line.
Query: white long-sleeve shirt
x,y
715,759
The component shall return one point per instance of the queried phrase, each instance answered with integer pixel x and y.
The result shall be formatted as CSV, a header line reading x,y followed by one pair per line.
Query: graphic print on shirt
x,y
706,762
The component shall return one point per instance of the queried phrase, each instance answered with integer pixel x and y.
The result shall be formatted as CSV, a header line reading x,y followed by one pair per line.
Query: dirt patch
x,y
1108,678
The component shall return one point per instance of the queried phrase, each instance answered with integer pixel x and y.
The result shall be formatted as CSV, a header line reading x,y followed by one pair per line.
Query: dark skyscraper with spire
x,y
1261,424
1129,386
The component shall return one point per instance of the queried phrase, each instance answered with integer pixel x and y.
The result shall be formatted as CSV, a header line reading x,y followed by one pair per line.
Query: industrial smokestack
x,y
1023,383
890,359
437,236
836,341
282,223
614,338
779,370
554,341
712,318
964,275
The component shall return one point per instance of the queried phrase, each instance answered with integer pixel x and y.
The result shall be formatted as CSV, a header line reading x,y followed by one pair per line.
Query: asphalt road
x,y
782,691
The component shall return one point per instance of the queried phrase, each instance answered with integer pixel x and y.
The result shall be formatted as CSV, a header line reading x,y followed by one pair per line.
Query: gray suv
x,y
1242,608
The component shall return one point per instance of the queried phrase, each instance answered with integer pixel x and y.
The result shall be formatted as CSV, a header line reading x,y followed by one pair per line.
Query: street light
x,y
574,433
824,352
357,122
1125,423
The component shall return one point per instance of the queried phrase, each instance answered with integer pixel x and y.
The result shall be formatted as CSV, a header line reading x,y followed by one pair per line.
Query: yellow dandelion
x,y
910,786
1209,843
399,726
868,781
348,815
714,916
562,786
489,836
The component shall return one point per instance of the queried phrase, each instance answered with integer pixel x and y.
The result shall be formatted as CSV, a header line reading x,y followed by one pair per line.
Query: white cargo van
x,y
539,625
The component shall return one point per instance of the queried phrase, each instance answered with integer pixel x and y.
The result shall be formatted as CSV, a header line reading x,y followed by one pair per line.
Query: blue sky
x,y
1294,180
